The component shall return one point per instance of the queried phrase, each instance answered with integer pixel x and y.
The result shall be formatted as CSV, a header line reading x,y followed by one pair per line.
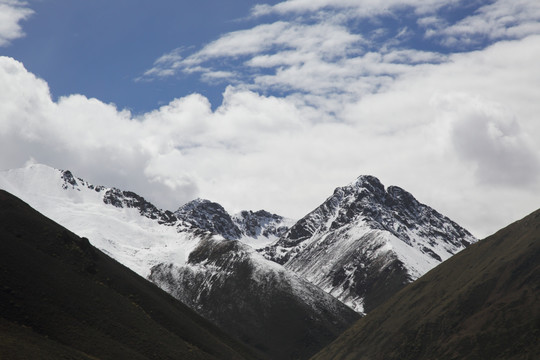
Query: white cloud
x,y
489,137
459,135
362,8
12,12
501,19
326,41
313,62
456,130
319,46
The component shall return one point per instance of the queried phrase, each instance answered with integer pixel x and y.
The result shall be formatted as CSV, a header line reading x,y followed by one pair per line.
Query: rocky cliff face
x,y
257,229
361,245
209,216
365,242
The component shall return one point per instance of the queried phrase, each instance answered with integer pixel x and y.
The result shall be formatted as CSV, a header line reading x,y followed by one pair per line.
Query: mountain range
x,y
151,241
61,298
243,271
125,225
483,303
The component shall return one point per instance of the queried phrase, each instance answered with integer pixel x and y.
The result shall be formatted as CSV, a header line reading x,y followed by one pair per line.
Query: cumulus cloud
x,y
454,149
456,130
489,136
12,12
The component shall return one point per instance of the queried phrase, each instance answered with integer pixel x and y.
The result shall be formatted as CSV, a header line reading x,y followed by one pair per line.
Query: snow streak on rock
x,y
120,223
256,229
365,242
255,299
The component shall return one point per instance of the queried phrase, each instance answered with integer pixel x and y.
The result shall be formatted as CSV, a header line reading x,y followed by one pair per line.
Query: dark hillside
x,y
60,298
483,303
257,301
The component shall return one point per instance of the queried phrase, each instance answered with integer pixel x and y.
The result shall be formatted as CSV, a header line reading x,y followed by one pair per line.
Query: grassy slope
x,y
60,298
483,303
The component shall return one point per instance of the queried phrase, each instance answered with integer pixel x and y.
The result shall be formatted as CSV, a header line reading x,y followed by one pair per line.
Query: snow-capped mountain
x,y
255,299
361,245
210,216
261,228
125,225
224,280
120,223
256,229
365,242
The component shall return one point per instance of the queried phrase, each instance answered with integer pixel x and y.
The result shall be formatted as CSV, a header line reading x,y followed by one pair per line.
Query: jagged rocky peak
x,y
368,182
260,223
341,208
129,199
210,216
69,179
119,198
365,242
393,209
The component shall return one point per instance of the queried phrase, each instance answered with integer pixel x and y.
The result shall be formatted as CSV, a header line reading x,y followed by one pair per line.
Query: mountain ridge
x,y
86,305
120,223
254,299
256,228
133,231
480,304
365,242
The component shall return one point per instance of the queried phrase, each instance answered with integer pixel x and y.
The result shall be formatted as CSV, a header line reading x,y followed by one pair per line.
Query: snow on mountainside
x,y
254,299
193,255
256,229
120,223
362,245
125,225
364,242
261,228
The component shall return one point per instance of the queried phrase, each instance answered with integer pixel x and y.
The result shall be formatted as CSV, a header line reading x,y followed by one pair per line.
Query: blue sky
x,y
98,48
272,105
103,48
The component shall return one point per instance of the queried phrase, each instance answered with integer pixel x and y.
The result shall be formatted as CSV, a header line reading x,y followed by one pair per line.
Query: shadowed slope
x,y
62,298
255,300
483,303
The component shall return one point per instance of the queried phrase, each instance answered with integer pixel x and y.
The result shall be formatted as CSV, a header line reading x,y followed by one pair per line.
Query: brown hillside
x,y
483,303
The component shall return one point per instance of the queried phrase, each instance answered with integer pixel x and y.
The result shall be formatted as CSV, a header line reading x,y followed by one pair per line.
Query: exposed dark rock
x,y
353,229
255,300
209,216
481,304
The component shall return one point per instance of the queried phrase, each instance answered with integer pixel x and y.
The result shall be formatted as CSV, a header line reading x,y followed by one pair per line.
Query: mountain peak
x,y
487,302
211,216
365,242
363,183
254,228
368,181
69,179
198,204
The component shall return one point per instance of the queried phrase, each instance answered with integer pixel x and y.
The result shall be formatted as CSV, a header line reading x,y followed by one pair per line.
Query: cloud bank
x,y
11,13
312,107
